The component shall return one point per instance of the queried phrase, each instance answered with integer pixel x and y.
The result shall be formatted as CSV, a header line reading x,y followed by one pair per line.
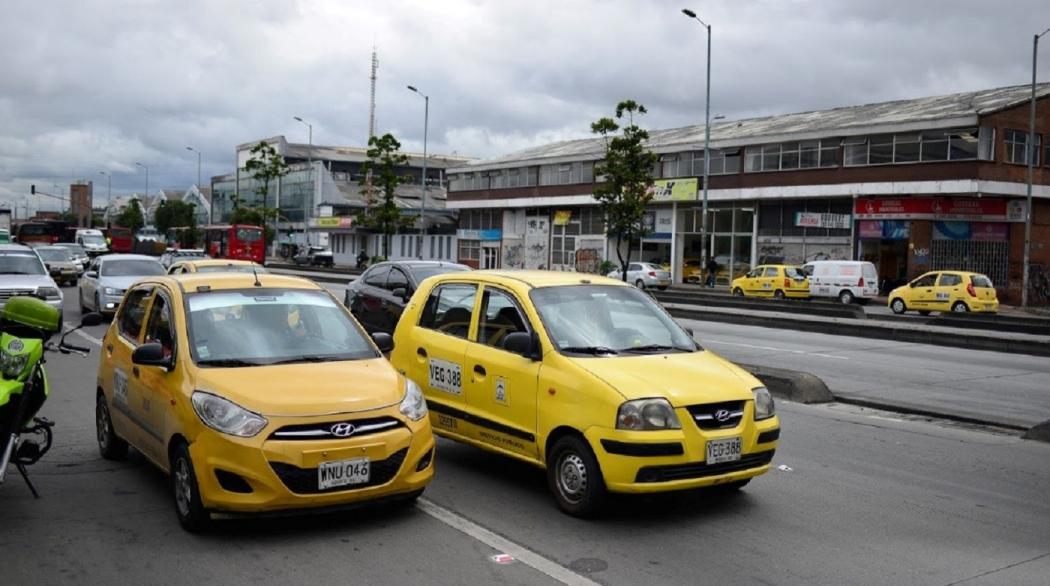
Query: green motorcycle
x,y
26,325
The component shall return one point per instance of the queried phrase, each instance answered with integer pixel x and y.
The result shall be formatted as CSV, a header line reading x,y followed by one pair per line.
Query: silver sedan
x,y
107,277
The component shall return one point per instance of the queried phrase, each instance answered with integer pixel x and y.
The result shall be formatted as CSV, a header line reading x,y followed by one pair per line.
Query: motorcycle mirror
x,y
90,319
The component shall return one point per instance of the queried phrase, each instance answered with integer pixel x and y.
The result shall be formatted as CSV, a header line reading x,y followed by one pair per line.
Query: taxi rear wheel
x,y
960,307
778,294
188,506
575,477
109,445
738,292
897,305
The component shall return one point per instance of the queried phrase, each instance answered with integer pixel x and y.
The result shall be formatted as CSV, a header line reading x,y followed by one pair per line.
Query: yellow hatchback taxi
x,y
215,265
777,281
258,394
957,291
586,377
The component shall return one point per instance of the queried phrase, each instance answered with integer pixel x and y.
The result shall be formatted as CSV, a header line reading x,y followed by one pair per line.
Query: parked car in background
x,y
777,281
80,256
59,263
108,276
378,296
215,265
92,241
317,256
956,291
173,255
644,275
692,271
5,236
848,280
23,273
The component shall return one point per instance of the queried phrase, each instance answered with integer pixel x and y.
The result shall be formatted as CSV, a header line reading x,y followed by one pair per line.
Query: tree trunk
x,y
619,255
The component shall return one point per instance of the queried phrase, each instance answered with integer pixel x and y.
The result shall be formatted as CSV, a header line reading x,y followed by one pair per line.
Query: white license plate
x,y
343,473
724,450
446,376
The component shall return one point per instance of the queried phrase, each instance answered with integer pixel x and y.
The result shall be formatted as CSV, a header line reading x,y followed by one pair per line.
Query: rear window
x,y
793,273
249,234
981,281
132,268
869,271
421,273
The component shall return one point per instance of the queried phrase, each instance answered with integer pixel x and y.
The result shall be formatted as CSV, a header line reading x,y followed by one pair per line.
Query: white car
x,y
644,275
108,276
848,280
173,255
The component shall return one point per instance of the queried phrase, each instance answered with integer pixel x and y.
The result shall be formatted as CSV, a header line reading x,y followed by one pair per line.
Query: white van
x,y
93,241
849,280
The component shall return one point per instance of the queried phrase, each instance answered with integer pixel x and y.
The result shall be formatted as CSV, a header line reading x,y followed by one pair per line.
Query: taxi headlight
x,y
643,414
764,408
47,293
12,364
413,406
226,416
112,291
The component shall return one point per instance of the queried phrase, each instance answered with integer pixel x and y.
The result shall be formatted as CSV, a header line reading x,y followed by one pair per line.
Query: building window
x,y
788,156
1017,146
531,176
469,250
723,162
513,177
1046,151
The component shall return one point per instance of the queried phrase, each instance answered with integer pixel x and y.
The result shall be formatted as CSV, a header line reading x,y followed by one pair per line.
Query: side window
x,y
807,270
159,326
771,272
949,280
634,267
377,277
925,280
449,308
396,279
133,312
500,316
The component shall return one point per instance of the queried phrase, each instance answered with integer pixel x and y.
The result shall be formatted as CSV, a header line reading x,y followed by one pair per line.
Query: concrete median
x,y
792,385
1039,433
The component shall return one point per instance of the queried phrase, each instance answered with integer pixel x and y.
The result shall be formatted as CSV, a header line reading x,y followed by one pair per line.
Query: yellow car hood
x,y
305,389
682,378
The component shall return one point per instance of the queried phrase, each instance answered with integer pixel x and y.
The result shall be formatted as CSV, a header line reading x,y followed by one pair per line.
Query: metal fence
x,y
988,258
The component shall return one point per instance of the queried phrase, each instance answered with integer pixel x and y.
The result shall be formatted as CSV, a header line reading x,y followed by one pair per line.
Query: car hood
x,y
683,378
61,264
25,281
121,283
296,390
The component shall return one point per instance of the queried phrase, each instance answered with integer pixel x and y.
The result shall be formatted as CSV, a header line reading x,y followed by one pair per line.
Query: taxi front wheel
x,y
575,478
109,445
188,506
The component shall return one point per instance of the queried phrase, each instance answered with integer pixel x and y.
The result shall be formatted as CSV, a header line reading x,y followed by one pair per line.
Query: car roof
x,y
530,279
191,282
421,263
14,248
211,262
112,257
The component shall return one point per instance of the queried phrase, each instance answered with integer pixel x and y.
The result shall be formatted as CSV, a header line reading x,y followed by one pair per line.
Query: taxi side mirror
x,y
384,341
91,274
90,319
524,344
152,354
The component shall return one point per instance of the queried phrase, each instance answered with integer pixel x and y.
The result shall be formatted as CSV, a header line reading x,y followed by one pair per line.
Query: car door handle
x,y
422,352
109,348
135,372
479,370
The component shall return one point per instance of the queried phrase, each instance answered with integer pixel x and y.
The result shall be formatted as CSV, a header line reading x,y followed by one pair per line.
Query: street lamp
x,y
707,140
423,202
189,148
1032,155
313,184
146,167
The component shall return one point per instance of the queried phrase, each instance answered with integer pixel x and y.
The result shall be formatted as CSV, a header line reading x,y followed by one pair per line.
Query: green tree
x,y
130,216
178,214
383,214
265,166
628,172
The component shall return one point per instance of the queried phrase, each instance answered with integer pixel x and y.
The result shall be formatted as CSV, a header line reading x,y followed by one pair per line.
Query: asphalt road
x,y
861,497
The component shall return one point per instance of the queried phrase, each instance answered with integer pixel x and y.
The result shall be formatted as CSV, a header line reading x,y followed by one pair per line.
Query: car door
x,y
499,388
949,288
391,304
116,371
366,303
89,285
634,272
767,282
157,385
439,343
922,294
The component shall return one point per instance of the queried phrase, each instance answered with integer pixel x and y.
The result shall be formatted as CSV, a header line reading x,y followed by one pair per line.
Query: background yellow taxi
x,y
957,291
214,265
778,281
586,377
258,395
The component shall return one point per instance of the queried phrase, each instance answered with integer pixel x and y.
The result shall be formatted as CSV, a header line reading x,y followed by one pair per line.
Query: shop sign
x,y
977,231
817,220
939,208
675,189
332,222
562,217
884,229
484,235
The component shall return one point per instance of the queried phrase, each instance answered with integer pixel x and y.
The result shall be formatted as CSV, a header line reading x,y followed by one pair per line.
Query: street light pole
x,y
146,167
313,183
707,142
189,148
1033,154
423,202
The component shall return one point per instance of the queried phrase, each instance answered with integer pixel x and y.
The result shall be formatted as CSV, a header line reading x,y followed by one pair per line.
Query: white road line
x,y
504,545
92,339
724,343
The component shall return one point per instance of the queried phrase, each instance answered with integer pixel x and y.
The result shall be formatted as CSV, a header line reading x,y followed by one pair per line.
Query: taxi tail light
x,y
652,273
860,282
787,282
971,290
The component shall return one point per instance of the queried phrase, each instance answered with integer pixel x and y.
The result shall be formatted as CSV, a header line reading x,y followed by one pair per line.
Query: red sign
x,y
935,208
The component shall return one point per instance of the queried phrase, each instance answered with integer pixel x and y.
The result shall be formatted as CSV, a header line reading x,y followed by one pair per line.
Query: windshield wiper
x,y
16,273
596,350
228,362
655,348
304,358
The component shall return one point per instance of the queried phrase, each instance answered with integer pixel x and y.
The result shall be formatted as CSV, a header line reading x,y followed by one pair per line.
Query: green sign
x,y
675,189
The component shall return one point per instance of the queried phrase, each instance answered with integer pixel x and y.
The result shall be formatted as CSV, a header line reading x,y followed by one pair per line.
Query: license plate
x,y
446,376
343,473
724,450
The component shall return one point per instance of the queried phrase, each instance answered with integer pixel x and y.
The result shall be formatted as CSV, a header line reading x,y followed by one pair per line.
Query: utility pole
x,y
707,143
1032,157
423,201
313,182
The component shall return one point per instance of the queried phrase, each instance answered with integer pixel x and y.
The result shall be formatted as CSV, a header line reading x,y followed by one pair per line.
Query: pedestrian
x,y
712,268
362,258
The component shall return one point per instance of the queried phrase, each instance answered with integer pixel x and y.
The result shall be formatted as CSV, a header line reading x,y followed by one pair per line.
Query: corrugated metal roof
x,y
963,108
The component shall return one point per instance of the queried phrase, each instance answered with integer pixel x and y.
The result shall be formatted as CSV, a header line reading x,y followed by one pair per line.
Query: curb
x,y
1039,433
792,385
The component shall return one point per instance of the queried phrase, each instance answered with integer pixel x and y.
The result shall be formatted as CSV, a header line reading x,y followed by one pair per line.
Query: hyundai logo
x,y
342,429
722,415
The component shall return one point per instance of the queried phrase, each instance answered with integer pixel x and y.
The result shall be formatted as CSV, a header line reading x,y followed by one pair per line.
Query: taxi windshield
x,y
602,320
263,326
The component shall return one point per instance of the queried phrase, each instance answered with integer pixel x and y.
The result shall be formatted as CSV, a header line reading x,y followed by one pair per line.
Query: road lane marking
x,y
502,544
723,342
89,338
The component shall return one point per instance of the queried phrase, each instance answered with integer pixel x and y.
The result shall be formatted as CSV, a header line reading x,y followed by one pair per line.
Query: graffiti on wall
x,y
795,253
513,253
537,235
588,260
1038,284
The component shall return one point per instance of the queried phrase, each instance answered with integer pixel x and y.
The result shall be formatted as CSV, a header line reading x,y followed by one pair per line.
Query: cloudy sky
x,y
97,85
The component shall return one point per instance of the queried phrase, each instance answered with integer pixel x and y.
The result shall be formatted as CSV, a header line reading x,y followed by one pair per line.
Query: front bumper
x,y
108,304
659,461
262,474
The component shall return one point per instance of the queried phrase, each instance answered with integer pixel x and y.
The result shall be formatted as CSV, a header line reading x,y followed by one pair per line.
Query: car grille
x,y
320,431
304,480
707,416
702,469
6,294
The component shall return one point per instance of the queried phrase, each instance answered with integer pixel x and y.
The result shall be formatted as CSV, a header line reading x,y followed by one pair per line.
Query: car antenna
x,y
256,275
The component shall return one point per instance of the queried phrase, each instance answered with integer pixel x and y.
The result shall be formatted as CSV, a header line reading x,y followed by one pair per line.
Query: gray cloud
x,y
92,86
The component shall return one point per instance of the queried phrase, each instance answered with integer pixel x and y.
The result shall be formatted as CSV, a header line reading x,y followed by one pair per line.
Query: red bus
x,y
239,241
120,239
45,231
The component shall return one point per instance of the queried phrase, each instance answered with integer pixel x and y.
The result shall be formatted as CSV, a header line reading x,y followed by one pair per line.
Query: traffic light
x,y
32,189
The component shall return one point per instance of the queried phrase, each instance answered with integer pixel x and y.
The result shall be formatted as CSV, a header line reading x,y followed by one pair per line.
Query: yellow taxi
x,y
215,265
957,291
586,377
777,281
257,394
692,272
